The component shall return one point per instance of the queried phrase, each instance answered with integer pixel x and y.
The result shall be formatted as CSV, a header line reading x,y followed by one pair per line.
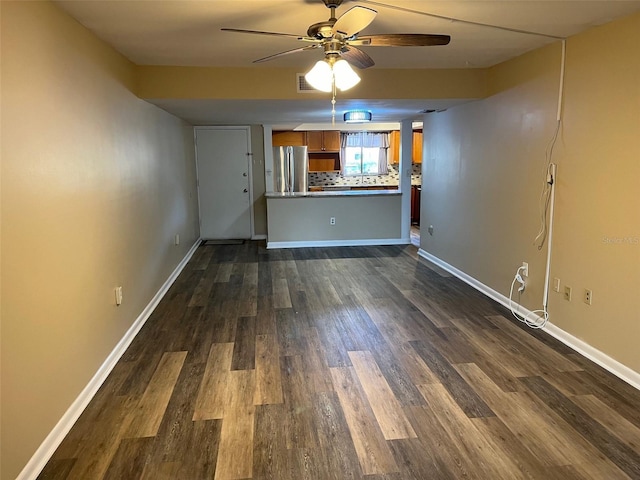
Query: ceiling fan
x,y
338,37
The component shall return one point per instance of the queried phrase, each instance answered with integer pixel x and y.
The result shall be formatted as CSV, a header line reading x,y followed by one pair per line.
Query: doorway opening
x,y
416,190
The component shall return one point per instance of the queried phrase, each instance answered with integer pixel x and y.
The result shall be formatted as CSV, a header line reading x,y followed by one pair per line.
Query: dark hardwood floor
x,y
346,363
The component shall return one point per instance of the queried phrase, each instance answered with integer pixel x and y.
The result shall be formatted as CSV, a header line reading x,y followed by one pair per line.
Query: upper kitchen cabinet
x,y
284,139
323,141
416,155
394,147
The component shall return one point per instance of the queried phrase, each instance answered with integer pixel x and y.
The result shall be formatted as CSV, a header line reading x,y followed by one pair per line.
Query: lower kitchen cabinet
x,y
415,204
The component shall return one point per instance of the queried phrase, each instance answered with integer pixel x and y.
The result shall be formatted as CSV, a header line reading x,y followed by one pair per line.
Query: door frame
x,y
249,160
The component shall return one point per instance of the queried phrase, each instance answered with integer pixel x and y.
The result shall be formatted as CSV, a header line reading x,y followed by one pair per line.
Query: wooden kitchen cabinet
x,y
315,141
324,161
394,147
286,138
415,205
323,141
416,154
324,164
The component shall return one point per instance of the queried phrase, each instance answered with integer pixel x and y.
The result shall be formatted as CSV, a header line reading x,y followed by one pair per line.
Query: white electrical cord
x,y
531,319
539,318
545,194
549,168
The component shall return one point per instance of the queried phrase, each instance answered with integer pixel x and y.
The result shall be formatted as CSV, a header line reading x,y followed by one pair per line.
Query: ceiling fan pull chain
x,y
333,102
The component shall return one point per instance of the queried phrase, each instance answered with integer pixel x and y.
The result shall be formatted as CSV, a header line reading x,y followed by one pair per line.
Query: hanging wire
x,y
333,100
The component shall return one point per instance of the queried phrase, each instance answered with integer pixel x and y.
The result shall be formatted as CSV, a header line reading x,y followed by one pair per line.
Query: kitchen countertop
x,y
335,193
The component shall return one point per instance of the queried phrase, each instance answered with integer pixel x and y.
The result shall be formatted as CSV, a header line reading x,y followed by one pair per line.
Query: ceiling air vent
x,y
302,85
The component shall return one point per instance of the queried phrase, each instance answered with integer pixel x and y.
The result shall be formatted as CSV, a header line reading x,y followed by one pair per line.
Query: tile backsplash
x,y
335,179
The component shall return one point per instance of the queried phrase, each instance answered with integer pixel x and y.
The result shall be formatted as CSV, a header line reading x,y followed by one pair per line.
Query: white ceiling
x,y
187,32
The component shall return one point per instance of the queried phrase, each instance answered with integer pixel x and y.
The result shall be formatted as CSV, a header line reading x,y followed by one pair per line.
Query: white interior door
x,y
224,182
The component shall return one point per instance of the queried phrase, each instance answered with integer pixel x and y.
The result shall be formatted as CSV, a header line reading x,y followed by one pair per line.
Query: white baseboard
x,y
340,243
618,369
40,458
596,356
259,237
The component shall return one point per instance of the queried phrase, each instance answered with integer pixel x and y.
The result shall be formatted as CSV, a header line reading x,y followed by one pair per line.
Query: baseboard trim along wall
x,y
259,237
48,447
618,369
340,243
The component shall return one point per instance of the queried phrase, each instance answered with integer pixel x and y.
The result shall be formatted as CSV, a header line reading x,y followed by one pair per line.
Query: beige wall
x,y
482,178
160,82
95,184
306,219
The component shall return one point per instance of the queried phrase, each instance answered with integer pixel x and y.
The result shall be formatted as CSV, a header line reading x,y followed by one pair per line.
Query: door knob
x,y
245,190
244,174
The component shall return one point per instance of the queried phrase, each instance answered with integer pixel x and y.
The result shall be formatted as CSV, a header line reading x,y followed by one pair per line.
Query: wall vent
x,y
302,86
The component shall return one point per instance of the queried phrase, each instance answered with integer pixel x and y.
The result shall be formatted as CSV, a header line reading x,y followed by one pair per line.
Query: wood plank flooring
x,y
346,363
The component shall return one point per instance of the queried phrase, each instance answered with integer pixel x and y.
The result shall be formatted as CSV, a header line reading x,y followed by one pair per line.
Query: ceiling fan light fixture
x,y
320,76
357,116
344,75
327,71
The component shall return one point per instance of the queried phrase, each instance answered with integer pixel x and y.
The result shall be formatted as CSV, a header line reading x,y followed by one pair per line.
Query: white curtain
x,y
348,139
366,140
380,140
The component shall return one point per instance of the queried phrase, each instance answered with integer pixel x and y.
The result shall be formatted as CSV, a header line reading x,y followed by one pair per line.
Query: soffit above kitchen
x,y
313,114
188,32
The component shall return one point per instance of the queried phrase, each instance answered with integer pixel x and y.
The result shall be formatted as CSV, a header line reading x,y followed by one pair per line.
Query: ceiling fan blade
x,y
354,20
402,40
282,54
356,57
258,32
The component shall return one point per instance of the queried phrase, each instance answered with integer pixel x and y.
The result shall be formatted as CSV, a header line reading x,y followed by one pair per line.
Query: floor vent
x,y
302,85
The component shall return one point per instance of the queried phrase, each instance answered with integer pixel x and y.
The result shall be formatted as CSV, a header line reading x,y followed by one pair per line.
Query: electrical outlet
x,y
430,229
556,284
118,295
525,269
588,296
567,293
332,221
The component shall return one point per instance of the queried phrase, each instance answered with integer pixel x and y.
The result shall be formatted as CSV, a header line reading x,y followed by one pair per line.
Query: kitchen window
x,y
364,153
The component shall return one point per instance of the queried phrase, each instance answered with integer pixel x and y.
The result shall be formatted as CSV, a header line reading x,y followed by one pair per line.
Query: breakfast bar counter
x,y
337,192
334,218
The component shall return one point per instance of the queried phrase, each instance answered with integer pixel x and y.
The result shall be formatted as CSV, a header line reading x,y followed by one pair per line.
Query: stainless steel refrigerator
x,y
290,169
